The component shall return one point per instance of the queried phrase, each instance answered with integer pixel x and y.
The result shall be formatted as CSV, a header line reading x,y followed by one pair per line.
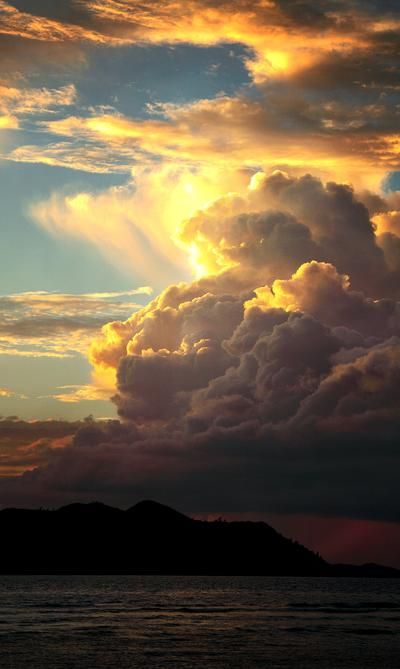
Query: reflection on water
x,y
182,622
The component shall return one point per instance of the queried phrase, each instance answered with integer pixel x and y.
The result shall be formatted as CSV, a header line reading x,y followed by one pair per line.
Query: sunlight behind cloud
x,y
137,227
8,122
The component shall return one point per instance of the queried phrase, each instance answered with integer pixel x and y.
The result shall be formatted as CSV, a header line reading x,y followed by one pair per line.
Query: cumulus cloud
x,y
282,222
318,289
274,224
267,384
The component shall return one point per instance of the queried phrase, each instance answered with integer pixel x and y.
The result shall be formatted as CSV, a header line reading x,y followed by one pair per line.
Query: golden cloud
x,y
28,26
74,394
8,122
135,226
35,100
236,132
282,42
298,47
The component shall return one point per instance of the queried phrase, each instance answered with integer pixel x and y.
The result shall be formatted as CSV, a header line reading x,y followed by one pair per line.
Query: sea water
x,y
182,622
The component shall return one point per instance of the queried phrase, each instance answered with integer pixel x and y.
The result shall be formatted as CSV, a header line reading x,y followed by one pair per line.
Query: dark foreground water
x,y
94,622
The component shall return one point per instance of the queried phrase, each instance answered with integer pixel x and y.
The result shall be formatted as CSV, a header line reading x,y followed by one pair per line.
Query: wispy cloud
x,y
36,100
32,27
6,392
80,155
73,394
132,225
45,324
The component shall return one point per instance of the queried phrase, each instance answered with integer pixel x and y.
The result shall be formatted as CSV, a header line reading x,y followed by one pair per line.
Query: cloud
x,y
26,445
202,22
388,222
298,54
283,221
242,394
41,323
283,37
283,127
318,289
35,100
81,156
7,393
274,224
270,381
28,26
8,122
134,225
73,394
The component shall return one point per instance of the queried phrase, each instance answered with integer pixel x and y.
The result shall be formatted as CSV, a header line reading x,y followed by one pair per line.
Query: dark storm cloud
x,y
315,471
24,445
241,396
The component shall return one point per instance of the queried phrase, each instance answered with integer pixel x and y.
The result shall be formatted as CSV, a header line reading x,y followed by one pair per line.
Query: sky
x,y
200,261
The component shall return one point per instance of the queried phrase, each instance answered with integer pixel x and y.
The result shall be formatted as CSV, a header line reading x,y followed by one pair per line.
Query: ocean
x,y
186,622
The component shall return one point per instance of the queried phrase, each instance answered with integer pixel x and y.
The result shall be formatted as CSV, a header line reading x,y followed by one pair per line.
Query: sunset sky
x,y
200,261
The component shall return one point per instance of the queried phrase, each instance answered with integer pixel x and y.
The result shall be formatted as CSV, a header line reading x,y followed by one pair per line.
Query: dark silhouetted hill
x,y
152,538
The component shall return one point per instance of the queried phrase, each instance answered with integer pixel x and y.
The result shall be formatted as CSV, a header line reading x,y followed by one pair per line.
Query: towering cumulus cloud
x,y
269,383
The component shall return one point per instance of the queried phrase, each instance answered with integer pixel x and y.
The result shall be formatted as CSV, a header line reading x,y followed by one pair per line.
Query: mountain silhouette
x,y
156,513
152,538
